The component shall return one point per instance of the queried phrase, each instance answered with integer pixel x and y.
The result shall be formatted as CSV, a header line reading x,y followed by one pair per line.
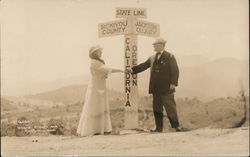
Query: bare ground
x,y
203,142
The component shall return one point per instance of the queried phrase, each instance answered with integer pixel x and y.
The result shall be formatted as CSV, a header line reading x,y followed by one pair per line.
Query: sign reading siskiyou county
x,y
112,28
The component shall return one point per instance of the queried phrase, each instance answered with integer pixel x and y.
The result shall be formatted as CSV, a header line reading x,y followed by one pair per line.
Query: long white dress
x,y
95,117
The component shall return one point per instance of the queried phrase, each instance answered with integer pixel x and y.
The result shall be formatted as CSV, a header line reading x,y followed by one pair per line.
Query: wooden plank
x,y
112,28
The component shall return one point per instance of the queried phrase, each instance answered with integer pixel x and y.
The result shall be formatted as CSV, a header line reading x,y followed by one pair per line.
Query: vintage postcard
x,y
124,77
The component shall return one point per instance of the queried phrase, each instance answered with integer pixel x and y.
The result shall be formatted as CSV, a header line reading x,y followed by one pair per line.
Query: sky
x,y
45,40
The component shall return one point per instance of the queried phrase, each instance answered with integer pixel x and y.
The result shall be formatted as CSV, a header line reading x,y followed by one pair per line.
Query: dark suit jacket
x,y
168,73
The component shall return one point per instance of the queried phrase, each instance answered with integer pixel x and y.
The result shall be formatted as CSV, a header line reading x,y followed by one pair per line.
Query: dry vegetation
x,y
193,114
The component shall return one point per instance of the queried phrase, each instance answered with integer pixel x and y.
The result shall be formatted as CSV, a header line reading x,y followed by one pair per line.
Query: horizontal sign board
x,y
121,27
128,12
146,28
112,28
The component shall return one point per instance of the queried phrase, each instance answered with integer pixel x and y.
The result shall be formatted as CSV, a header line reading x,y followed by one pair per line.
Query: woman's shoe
x,y
107,133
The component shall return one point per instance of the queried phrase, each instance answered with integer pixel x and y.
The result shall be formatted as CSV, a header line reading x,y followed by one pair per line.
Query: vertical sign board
x,y
130,43
130,27
131,90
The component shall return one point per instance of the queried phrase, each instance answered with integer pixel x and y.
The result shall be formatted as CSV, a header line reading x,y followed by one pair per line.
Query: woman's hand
x,y
117,70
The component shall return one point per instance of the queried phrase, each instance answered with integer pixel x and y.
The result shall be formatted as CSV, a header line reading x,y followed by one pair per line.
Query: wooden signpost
x,y
130,26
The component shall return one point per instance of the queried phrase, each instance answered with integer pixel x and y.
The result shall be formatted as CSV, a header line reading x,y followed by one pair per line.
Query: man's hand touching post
x,y
129,70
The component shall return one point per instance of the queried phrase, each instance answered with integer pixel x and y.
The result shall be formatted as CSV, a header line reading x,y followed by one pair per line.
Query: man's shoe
x,y
179,129
155,130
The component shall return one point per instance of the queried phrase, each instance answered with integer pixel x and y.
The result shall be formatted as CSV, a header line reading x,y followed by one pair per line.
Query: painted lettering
x,y
127,89
134,83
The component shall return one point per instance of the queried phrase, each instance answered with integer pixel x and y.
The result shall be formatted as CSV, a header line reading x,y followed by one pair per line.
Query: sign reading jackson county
x,y
130,26
146,28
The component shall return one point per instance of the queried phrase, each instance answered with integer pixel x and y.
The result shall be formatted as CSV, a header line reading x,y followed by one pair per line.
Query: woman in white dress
x,y
95,117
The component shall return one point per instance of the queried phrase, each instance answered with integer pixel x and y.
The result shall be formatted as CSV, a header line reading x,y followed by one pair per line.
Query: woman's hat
x,y
94,48
159,41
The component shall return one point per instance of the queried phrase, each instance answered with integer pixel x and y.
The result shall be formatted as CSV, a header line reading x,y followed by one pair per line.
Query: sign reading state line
x,y
120,27
128,12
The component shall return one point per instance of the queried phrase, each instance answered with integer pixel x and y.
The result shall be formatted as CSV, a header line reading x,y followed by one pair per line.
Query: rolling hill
x,y
219,78
212,79
192,60
69,95
204,79
7,105
66,95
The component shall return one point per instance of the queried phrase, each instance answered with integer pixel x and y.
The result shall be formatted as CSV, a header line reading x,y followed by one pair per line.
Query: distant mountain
x,y
192,60
217,78
7,105
31,87
199,77
69,95
66,95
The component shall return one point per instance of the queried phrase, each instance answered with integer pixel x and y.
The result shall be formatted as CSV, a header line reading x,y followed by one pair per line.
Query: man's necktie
x,y
157,56
156,68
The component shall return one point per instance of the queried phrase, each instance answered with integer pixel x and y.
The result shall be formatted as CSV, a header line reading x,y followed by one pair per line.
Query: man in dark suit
x,y
163,80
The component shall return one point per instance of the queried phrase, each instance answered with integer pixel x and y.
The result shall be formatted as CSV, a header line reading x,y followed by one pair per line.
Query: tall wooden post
x,y
130,27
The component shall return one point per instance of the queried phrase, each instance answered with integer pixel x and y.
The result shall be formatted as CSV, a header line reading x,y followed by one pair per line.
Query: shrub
x,y
8,129
23,126
56,126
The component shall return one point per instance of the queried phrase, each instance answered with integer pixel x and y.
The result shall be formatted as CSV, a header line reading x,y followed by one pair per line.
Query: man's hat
x,y
94,48
159,41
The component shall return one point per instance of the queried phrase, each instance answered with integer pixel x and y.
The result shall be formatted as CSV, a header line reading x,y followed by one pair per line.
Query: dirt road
x,y
204,142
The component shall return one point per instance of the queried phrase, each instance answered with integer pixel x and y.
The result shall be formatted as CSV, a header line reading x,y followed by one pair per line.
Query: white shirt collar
x,y
161,52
